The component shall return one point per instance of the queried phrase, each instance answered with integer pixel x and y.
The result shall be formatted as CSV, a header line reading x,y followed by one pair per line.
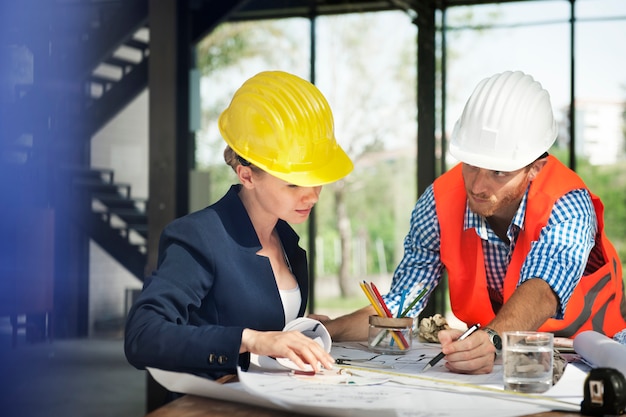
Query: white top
x,y
291,303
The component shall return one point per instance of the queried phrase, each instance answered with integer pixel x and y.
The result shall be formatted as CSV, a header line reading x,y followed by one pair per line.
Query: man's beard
x,y
494,204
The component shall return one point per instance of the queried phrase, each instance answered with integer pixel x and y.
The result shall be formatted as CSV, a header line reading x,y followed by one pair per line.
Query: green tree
x,y
624,126
609,183
360,69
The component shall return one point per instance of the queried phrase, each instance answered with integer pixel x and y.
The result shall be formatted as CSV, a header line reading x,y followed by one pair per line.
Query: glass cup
x,y
527,361
390,335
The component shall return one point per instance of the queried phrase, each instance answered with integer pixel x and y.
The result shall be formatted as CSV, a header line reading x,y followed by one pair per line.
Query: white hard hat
x,y
507,123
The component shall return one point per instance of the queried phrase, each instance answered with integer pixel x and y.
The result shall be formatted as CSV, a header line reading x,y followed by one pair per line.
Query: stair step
x,y
102,174
101,187
123,219
125,224
101,79
141,229
119,62
117,201
130,216
137,44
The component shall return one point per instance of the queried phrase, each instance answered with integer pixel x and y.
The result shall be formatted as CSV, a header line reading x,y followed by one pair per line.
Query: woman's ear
x,y
536,167
245,175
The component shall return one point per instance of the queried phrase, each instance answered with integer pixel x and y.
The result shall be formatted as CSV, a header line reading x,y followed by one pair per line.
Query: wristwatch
x,y
495,338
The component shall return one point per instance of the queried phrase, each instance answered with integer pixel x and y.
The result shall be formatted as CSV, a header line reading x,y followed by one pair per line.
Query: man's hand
x,y
293,345
532,303
349,328
473,355
319,317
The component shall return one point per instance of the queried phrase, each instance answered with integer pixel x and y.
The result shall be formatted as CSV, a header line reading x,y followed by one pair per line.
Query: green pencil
x,y
410,306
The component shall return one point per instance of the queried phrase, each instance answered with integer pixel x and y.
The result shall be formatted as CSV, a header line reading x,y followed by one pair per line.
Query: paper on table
x,y
400,396
184,383
570,386
405,393
236,392
601,351
355,354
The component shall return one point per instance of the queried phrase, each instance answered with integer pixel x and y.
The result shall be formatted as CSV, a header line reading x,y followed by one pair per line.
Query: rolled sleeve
x,y
421,265
560,254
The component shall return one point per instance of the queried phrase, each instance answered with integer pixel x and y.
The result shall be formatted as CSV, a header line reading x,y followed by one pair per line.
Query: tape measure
x,y
605,393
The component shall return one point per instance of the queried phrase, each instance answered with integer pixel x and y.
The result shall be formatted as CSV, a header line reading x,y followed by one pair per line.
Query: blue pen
x,y
415,300
402,298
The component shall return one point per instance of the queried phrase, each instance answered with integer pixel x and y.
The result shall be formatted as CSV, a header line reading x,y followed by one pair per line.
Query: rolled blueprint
x,y
601,351
308,327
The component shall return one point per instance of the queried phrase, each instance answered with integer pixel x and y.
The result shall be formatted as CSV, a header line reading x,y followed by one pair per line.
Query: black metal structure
x,y
90,58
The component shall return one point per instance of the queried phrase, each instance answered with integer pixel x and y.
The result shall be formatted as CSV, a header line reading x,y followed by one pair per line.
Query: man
x,y
519,234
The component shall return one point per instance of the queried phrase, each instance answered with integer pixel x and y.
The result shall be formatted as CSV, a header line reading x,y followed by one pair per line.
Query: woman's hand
x,y
292,345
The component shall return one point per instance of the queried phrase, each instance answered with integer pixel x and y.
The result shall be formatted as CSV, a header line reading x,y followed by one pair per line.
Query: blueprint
x,y
368,384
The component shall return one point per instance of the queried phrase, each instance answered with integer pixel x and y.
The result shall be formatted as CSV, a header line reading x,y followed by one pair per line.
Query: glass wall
x,y
600,105
369,81
366,67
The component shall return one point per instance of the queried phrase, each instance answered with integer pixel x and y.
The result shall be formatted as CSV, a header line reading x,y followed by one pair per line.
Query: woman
x,y
231,275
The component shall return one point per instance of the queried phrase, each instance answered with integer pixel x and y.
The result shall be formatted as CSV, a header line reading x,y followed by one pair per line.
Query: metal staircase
x,y
90,61
111,216
112,61
84,62
115,71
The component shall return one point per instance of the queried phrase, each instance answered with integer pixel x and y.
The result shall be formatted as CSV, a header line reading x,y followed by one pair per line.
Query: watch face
x,y
497,341
495,338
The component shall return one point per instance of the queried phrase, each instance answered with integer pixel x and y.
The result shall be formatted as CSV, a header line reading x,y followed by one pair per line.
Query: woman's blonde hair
x,y
231,158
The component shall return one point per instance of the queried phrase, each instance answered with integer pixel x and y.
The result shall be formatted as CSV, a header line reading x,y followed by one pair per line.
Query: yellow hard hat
x,y
282,124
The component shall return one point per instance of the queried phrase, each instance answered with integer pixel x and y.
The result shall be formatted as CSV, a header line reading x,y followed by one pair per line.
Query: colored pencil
x,y
415,300
387,311
370,296
380,300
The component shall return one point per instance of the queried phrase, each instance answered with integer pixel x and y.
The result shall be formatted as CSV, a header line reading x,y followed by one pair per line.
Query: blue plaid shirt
x,y
559,256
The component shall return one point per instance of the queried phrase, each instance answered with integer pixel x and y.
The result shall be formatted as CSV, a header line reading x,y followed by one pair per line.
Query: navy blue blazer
x,y
209,285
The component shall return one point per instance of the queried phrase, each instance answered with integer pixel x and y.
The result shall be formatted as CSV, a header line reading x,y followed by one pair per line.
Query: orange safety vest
x,y
597,303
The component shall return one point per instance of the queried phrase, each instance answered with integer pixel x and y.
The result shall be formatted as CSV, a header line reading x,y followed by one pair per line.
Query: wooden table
x,y
194,406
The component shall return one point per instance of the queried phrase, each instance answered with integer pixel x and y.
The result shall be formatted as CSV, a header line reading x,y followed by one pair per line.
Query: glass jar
x,y
390,335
